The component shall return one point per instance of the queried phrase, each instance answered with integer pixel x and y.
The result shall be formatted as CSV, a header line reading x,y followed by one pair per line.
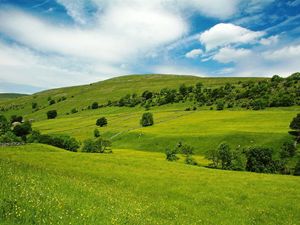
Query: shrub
x,y
220,105
238,162
95,105
288,149
214,156
9,137
15,118
297,169
51,114
225,156
21,130
190,160
60,141
147,119
259,159
171,154
34,137
295,126
34,105
51,102
96,133
99,145
101,122
4,125
74,110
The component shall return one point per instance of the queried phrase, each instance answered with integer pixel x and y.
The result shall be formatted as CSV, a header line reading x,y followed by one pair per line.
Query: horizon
x,y
59,43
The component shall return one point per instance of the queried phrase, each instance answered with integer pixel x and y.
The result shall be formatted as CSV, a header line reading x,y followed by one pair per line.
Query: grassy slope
x,y
9,96
203,129
44,185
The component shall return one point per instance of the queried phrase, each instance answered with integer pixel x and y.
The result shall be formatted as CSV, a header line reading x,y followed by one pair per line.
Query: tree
x,y
225,156
95,105
21,130
220,105
214,156
99,145
51,114
147,119
4,125
295,126
9,137
171,154
147,95
288,150
15,118
183,90
96,133
259,159
51,102
34,105
101,122
297,169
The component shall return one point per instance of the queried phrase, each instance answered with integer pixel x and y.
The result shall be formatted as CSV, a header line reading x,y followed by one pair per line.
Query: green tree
x,y
51,114
288,150
259,159
225,156
297,169
101,122
23,129
295,126
96,133
4,125
214,156
147,119
95,105
171,154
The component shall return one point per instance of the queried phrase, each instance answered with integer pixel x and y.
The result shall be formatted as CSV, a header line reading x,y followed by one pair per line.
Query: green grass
x,y
9,96
45,185
203,129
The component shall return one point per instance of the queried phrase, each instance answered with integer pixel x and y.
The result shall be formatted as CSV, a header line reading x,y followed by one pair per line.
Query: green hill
x,y
9,96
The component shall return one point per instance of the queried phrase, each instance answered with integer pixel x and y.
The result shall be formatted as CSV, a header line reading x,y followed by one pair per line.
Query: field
x,y
45,185
41,184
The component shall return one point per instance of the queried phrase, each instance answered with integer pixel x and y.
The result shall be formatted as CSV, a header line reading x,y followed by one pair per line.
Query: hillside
x,y
44,185
9,96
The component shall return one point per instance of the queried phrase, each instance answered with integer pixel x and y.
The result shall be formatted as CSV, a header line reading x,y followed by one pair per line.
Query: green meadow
x,y
46,185
41,184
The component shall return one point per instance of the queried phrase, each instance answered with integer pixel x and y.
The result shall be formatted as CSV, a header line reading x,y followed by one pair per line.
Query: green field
x,y
40,184
45,185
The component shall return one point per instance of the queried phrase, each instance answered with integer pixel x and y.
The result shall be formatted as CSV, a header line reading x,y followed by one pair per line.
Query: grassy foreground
x,y
46,185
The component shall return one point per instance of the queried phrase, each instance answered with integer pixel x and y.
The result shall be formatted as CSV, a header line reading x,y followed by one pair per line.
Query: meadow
x,y
46,185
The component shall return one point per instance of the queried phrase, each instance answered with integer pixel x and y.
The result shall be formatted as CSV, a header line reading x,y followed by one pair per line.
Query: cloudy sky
x,y
53,43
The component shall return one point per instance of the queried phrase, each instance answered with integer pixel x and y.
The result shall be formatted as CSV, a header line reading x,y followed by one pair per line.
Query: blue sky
x,y
53,43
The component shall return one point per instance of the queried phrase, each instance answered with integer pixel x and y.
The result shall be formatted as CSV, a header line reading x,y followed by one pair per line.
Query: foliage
x,y
171,154
74,110
9,137
297,168
98,145
34,105
23,129
51,102
295,126
225,156
51,114
15,118
259,159
288,149
95,105
96,133
147,119
4,125
101,122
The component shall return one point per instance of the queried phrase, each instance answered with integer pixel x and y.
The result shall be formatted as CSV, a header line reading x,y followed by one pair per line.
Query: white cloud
x,y
194,53
270,40
286,53
228,54
224,34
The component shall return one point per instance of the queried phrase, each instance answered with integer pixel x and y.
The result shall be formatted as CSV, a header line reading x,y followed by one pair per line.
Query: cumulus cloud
x,y
224,34
286,53
228,54
270,40
194,53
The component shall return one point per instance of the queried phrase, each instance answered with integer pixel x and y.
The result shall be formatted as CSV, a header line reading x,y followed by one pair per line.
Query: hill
x,y
44,185
9,96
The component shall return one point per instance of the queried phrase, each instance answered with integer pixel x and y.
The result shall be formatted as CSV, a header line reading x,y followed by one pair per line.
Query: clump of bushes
x,y
147,119
51,114
186,150
99,145
96,133
101,122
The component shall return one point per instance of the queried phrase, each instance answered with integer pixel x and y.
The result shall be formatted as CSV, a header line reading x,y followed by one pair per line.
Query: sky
x,y
53,43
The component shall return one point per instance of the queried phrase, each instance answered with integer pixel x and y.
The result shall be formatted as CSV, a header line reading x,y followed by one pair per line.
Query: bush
x,y
297,169
74,110
60,141
288,149
99,145
225,156
34,105
190,160
171,155
101,122
259,159
214,156
4,125
96,133
15,118
220,105
51,114
147,119
51,102
238,162
21,130
95,105
9,137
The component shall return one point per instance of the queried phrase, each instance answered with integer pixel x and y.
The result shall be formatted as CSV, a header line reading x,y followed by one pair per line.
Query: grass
x,y
45,185
203,129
